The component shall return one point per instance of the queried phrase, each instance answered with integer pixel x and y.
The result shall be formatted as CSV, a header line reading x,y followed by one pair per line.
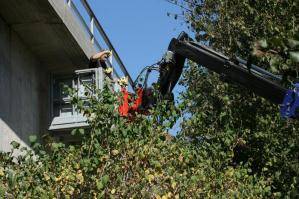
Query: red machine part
x,y
125,109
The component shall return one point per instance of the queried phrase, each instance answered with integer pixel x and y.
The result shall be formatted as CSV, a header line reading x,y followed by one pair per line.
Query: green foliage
x,y
118,158
267,30
232,144
241,128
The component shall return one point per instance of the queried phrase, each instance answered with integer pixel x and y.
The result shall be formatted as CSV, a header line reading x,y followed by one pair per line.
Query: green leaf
x,y
81,131
15,145
11,178
295,56
74,132
2,191
293,43
23,149
194,179
32,138
263,43
99,185
105,179
267,189
102,183
265,169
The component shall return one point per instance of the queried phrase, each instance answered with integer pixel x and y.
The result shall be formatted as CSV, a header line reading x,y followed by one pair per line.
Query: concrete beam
x,y
51,31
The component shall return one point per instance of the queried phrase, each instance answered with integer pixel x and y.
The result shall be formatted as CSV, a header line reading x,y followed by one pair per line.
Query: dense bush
x,y
118,158
230,116
246,129
232,144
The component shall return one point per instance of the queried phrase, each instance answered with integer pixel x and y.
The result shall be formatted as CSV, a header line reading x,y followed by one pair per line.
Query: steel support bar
x,y
107,41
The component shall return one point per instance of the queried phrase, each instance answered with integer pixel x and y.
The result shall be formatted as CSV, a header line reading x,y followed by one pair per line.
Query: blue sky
x,y
140,30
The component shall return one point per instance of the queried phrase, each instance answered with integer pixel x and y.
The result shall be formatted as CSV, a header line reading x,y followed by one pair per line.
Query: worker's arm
x,y
99,59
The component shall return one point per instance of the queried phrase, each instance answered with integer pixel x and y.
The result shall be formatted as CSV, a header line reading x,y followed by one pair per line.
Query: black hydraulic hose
x,y
262,71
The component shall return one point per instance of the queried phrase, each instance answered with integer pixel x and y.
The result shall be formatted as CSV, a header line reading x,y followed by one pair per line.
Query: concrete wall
x,y
23,90
37,38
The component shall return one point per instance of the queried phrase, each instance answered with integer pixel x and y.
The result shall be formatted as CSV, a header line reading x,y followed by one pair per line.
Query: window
x,y
63,113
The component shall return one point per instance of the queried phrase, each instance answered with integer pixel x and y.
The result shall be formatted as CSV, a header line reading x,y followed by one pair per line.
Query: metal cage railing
x,y
97,34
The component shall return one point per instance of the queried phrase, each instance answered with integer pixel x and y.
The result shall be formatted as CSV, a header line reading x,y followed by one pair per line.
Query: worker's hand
x,y
102,56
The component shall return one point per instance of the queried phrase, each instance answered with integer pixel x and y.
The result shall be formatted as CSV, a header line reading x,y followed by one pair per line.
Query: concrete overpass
x,y
39,38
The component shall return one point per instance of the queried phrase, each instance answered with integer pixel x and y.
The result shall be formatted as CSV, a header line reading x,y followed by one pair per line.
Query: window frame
x,y
75,120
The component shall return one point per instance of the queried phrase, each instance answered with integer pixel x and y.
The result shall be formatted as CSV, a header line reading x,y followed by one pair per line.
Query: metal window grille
x,y
64,114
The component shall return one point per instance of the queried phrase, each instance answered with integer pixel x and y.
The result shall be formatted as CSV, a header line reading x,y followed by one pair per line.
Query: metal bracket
x,y
224,77
290,105
227,64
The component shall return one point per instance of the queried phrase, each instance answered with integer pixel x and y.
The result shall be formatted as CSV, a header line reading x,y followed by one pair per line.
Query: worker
x,y
99,59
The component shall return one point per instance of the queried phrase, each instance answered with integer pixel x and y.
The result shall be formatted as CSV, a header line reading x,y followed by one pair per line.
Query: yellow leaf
x,y
80,177
1,171
46,176
158,197
113,191
151,177
115,152
71,190
92,117
108,70
123,81
181,158
173,185
58,178
165,197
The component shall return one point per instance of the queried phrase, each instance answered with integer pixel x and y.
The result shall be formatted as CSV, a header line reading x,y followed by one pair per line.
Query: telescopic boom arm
x,y
258,80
